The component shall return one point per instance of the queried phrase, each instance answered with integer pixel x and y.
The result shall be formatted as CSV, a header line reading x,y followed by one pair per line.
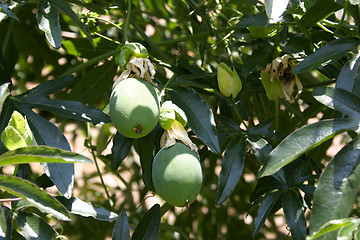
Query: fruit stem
x,y
111,203
162,93
164,208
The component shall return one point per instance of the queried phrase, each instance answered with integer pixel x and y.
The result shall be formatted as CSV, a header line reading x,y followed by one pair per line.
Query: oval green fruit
x,y
134,107
177,175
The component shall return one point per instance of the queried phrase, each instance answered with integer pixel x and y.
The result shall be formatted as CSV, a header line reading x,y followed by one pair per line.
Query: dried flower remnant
x,y
281,69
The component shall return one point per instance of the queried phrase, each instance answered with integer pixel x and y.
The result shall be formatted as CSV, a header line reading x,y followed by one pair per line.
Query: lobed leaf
x,y
232,166
301,141
148,227
349,77
340,100
121,229
41,154
86,209
199,114
34,227
46,133
337,187
120,149
275,9
34,195
332,51
294,215
65,8
320,10
48,21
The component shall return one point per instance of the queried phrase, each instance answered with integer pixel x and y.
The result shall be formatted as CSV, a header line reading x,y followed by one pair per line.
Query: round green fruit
x,y
134,107
177,175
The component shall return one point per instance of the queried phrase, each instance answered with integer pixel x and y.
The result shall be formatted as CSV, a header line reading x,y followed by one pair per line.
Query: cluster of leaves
x,y
270,157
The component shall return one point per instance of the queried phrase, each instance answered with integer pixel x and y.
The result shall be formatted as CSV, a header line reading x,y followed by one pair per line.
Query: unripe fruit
x,y
177,175
134,108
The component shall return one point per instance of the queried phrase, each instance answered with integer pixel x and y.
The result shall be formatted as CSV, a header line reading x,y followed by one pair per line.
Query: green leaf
x,y
232,166
12,139
34,195
200,116
121,229
294,214
320,10
34,227
86,209
50,87
69,109
48,21
264,211
347,232
120,149
94,84
340,100
301,141
337,187
331,226
4,93
148,227
332,51
145,148
8,11
70,13
46,133
275,9
41,154
81,47
6,231
349,77
3,225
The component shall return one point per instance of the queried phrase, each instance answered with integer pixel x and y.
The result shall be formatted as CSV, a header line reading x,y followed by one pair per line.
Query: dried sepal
x,y
281,69
176,132
140,68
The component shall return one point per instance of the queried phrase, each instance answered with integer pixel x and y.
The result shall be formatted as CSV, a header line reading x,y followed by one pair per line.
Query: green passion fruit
x,y
177,175
134,107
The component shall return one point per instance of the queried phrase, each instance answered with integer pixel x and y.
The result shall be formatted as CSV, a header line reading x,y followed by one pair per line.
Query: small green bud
x,y
273,88
130,50
17,134
229,81
167,115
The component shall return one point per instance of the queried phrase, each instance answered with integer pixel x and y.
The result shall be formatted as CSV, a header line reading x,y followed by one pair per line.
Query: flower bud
x,y
229,81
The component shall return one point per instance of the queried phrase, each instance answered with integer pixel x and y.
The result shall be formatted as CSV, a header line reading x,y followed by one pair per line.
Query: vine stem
x,y
127,22
237,113
111,203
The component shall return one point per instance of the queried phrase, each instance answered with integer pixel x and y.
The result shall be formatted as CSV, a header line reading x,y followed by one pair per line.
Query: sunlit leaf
x,y
34,227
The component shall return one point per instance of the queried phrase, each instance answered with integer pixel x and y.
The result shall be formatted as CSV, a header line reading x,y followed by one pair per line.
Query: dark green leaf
x,y
260,147
337,187
80,47
349,77
34,227
86,209
320,10
70,13
8,11
264,211
294,214
120,149
69,109
4,93
275,9
232,166
48,21
121,229
94,84
145,148
34,195
41,154
50,87
301,141
148,227
3,225
46,133
257,20
200,116
332,51
8,217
